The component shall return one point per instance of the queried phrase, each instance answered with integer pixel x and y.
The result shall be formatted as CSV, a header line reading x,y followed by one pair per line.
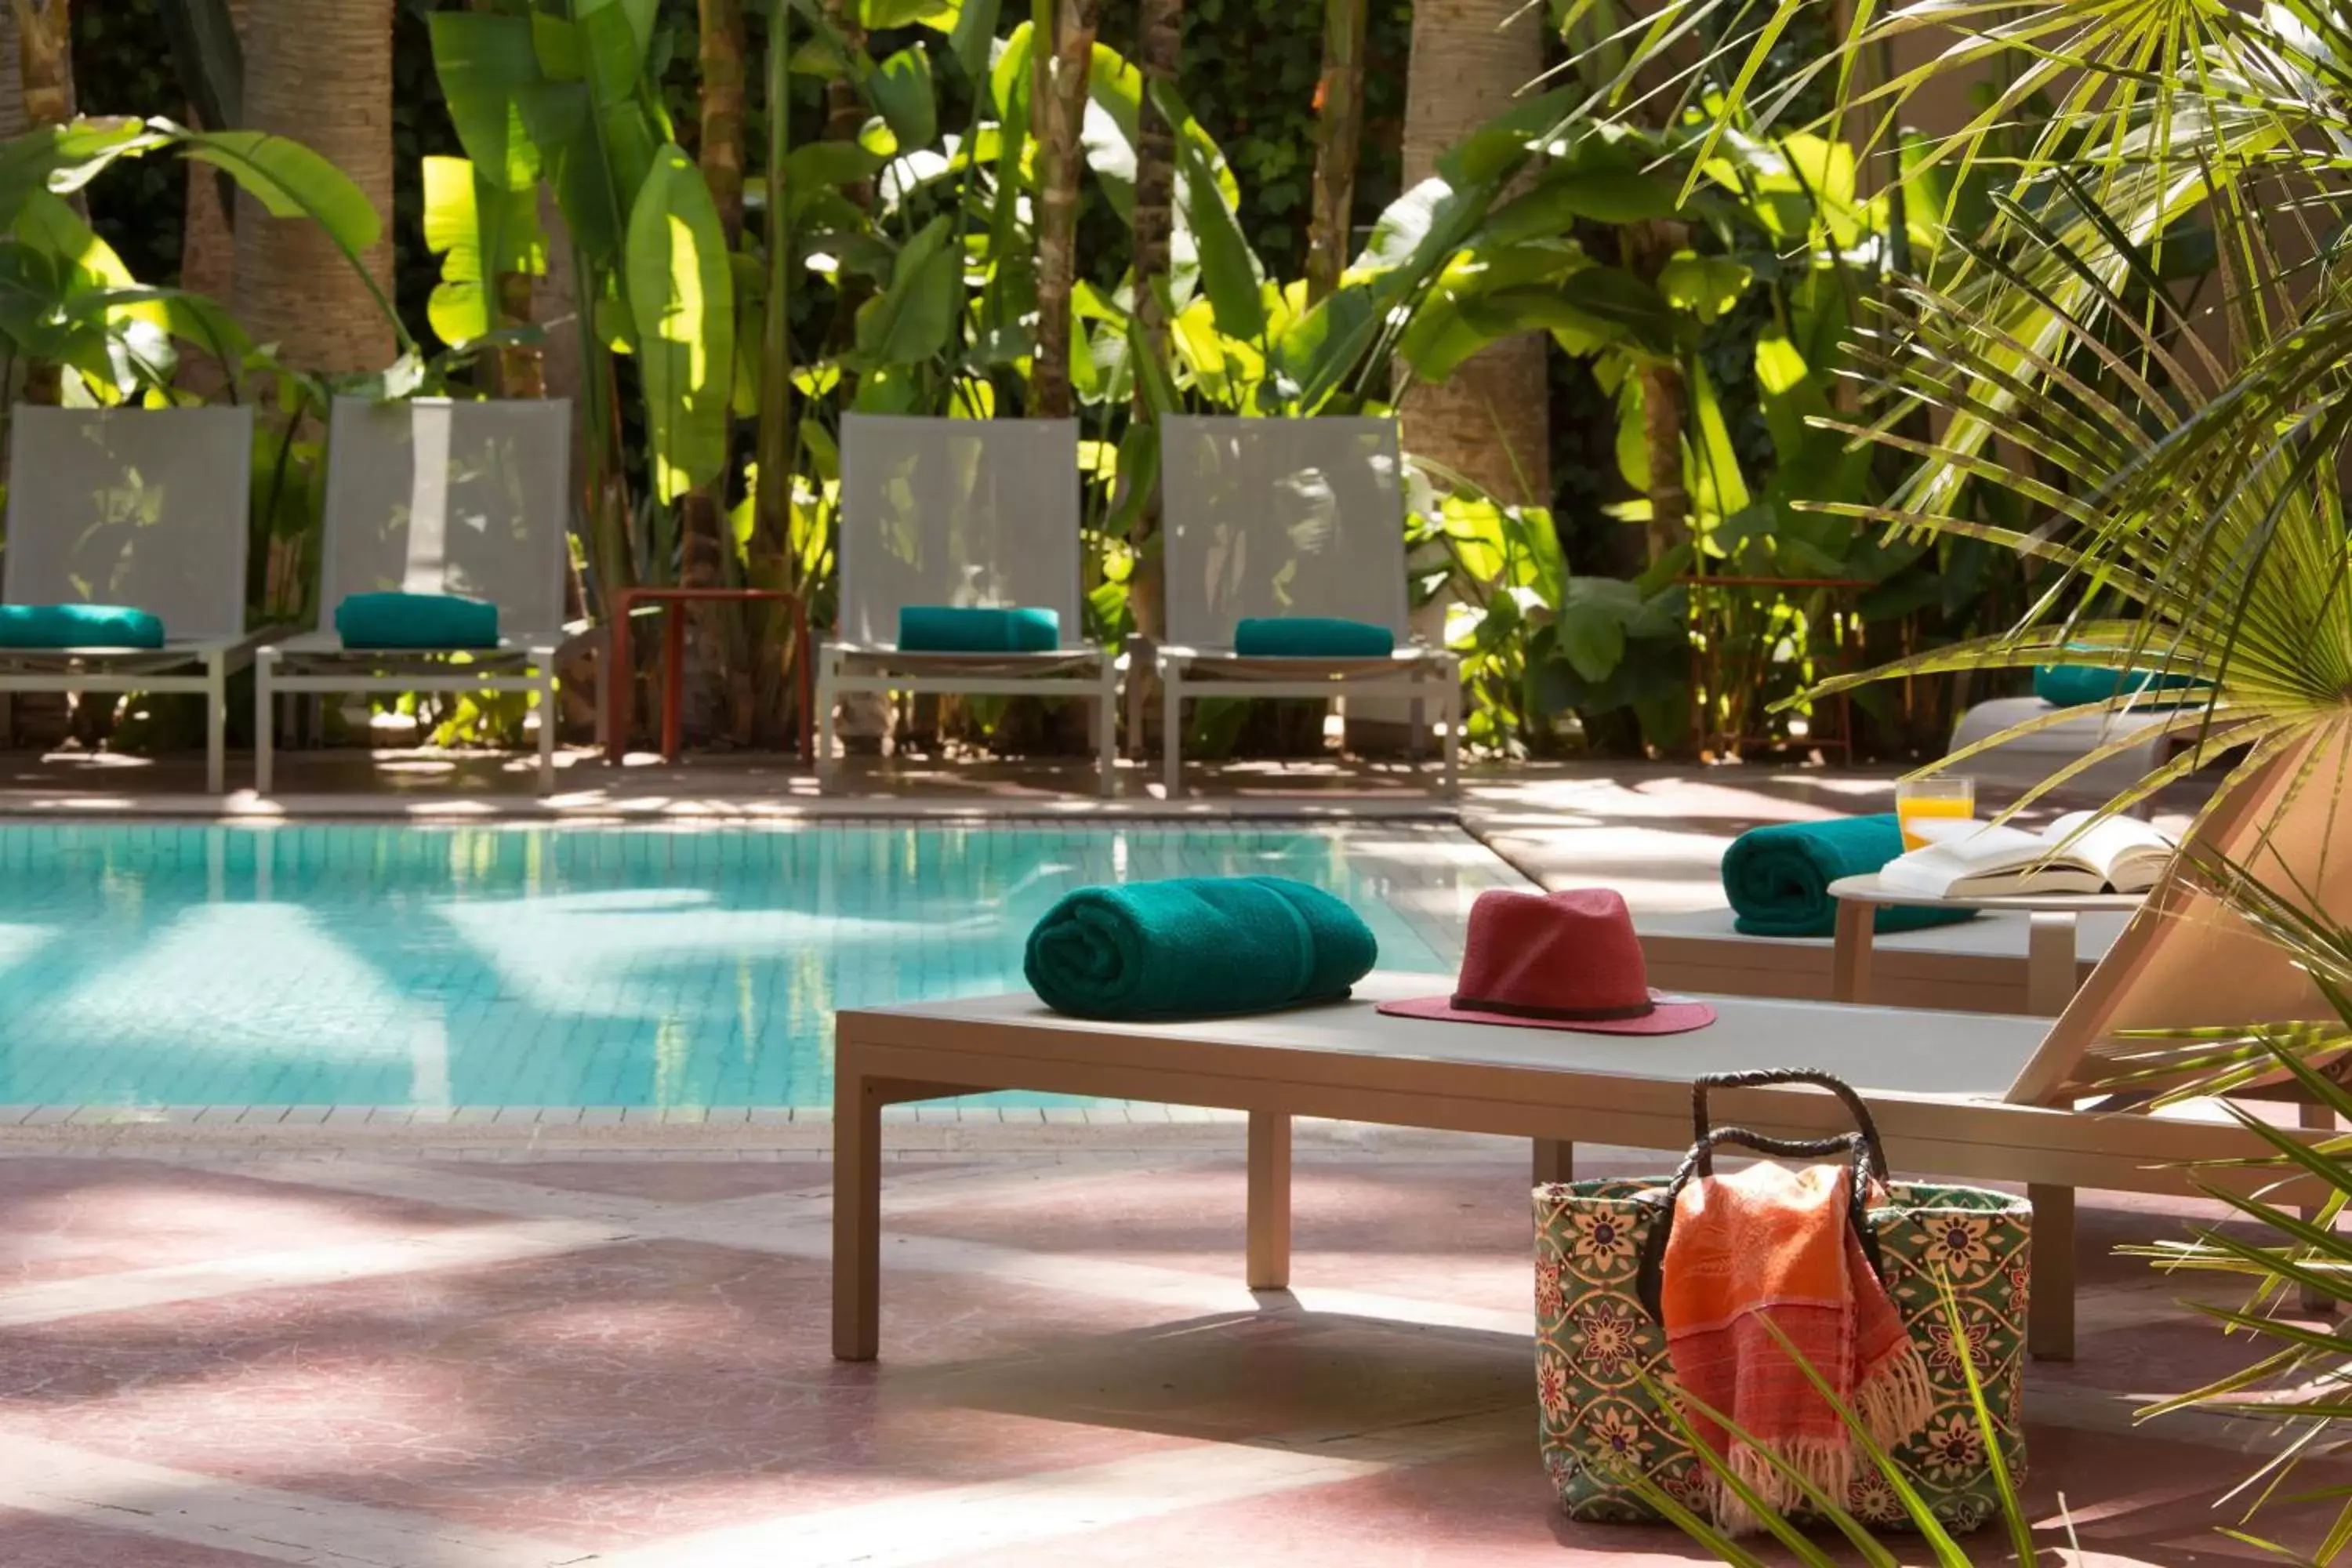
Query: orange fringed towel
x,y
1774,1242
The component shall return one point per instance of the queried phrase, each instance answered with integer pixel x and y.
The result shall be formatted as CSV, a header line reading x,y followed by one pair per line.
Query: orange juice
x,y
1912,808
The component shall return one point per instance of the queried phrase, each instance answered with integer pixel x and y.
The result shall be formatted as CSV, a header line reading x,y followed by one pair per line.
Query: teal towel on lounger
x,y
1777,878
939,628
1312,637
2074,685
1197,947
77,625
426,622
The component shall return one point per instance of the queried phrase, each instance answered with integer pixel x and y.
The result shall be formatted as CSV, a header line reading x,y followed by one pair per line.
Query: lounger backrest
x,y
975,513
144,508
432,496
1281,517
2186,960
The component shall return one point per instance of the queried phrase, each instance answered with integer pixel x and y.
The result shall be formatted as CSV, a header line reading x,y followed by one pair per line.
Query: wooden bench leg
x,y
856,1214
1269,1200
1555,1160
2317,1119
2049,1314
1849,952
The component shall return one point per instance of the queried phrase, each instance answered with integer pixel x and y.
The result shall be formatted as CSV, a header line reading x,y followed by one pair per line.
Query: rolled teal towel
x,y
421,621
939,628
1197,947
2075,685
1312,637
77,625
1777,878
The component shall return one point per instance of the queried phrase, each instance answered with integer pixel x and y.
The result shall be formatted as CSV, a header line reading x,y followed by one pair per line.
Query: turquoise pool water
x,y
361,966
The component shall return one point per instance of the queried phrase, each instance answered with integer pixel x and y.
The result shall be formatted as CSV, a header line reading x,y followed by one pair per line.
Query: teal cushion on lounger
x,y
941,628
1197,947
1312,637
1777,878
426,622
77,625
2076,684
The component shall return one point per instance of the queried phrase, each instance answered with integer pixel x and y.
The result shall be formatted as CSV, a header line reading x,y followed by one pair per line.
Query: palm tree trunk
x,y
1340,102
1662,394
1159,53
1056,112
319,71
771,563
702,560
1491,419
44,71
45,56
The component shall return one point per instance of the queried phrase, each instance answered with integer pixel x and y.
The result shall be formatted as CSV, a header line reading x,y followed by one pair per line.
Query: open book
x,y
1966,860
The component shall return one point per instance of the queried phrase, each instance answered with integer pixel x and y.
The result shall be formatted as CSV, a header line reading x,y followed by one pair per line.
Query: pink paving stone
x,y
2136,1500
35,1540
70,1218
661,1181
615,1394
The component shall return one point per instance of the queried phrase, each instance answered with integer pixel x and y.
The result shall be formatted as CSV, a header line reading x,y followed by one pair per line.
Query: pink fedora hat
x,y
1557,961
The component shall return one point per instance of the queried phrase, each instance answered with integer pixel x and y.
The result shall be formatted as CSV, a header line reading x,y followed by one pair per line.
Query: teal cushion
x,y
77,625
1312,637
942,628
2077,685
424,621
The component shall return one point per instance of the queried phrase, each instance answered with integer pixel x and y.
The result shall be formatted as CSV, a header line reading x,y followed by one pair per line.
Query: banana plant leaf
x,y
681,295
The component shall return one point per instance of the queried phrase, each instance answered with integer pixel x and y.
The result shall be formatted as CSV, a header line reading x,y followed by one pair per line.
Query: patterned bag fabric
x,y
1597,1337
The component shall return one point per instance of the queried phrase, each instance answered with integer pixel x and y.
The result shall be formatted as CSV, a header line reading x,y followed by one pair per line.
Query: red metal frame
x,y
620,680
1849,588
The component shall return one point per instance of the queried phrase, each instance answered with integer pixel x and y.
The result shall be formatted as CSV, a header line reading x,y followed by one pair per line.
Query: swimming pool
x,y
157,966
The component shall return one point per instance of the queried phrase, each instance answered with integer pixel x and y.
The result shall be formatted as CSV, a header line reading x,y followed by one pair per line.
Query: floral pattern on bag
x,y
1596,1342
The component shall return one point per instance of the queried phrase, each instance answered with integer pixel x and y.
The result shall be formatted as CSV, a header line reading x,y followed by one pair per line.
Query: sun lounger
x,y
433,496
1281,517
2029,759
964,513
1977,966
144,509
1971,1096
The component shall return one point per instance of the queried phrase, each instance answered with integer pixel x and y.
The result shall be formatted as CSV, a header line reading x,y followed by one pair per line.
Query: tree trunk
x,y
319,71
1057,112
712,630
770,563
1159,53
44,72
1340,132
1663,392
845,106
45,59
1645,247
1491,419
13,123
209,248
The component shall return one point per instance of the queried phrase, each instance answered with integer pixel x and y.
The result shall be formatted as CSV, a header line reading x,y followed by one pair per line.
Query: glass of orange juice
x,y
1940,797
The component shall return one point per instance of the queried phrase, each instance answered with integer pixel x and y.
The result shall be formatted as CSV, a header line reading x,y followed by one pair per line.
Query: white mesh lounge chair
x,y
437,497
145,508
2030,758
969,514
1288,517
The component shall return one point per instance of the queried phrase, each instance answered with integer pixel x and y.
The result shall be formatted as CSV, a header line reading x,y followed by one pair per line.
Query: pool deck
x,y
422,1363
519,1338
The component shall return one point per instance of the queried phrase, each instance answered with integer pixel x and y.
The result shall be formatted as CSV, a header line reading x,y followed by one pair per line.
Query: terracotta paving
x,y
623,1362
